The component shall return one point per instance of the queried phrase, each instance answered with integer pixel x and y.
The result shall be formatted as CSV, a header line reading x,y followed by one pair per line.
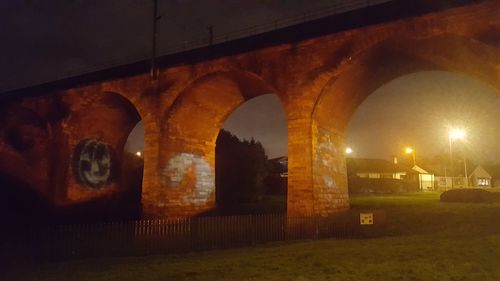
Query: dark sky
x,y
48,40
264,119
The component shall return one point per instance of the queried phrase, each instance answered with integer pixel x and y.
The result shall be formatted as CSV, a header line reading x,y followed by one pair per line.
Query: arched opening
x,y
251,163
190,130
104,181
399,135
341,95
132,170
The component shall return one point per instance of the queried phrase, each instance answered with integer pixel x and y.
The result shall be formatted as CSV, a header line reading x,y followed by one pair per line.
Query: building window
x,y
483,182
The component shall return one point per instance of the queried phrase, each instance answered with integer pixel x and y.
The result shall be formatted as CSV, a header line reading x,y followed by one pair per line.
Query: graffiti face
x,y
93,163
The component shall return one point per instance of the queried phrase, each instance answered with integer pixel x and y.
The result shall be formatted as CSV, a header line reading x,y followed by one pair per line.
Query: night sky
x,y
418,110
49,40
44,41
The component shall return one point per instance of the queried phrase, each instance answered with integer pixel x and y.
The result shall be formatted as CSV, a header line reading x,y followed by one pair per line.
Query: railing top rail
x,y
336,8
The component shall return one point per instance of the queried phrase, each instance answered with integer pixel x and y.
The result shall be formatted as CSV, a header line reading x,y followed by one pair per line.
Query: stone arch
x,y
343,93
95,133
189,132
393,58
142,93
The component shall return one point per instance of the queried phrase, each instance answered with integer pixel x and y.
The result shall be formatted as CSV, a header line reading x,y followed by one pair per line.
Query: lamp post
x,y
457,134
411,151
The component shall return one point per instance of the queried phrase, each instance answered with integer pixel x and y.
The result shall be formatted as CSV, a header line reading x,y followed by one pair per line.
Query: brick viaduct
x,y
64,144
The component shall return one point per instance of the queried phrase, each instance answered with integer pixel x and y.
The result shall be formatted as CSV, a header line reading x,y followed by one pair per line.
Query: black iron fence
x,y
164,236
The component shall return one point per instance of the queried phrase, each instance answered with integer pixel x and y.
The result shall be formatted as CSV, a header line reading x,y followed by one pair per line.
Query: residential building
x,y
378,169
480,178
426,179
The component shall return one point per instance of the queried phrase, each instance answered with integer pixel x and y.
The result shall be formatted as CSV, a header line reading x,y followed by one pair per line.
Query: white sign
x,y
366,218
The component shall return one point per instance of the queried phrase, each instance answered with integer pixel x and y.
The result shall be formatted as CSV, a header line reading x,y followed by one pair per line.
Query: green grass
x,y
423,213
426,240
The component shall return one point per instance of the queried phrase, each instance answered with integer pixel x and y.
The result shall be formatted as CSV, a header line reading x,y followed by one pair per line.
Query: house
x,y
379,176
443,179
480,178
377,169
426,180
279,166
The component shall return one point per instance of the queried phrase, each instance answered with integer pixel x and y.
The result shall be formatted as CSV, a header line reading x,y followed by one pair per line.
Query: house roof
x,y
420,170
279,159
437,170
480,171
363,165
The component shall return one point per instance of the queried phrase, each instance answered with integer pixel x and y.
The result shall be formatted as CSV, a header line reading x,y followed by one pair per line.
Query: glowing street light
x,y
409,150
457,134
348,150
138,153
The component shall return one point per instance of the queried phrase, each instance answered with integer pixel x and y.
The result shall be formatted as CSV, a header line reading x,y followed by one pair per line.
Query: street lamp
x,y
348,150
411,151
457,134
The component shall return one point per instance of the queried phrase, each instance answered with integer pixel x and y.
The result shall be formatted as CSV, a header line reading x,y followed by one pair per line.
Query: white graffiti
x,y
327,158
179,166
93,163
329,181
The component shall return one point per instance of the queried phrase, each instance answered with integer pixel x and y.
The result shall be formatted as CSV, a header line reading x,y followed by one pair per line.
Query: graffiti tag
x,y
328,158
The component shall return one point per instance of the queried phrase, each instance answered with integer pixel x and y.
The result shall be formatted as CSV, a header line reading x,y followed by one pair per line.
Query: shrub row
x,y
367,185
470,195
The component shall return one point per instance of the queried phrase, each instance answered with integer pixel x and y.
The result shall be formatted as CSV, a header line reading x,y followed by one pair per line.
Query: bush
x,y
469,195
381,186
276,185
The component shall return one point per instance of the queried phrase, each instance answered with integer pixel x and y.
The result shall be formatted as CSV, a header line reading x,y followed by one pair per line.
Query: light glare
x,y
455,134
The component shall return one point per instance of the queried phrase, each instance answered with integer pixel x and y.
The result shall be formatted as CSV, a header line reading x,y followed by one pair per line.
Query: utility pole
x,y
465,171
451,162
153,72
210,35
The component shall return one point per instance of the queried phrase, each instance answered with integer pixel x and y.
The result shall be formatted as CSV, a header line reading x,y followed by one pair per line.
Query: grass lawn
x,y
426,240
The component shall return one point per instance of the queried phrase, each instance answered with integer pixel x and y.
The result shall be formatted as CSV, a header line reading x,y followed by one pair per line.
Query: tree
x,y
240,169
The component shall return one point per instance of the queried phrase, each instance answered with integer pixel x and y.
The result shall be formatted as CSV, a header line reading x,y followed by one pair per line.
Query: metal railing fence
x,y
166,236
